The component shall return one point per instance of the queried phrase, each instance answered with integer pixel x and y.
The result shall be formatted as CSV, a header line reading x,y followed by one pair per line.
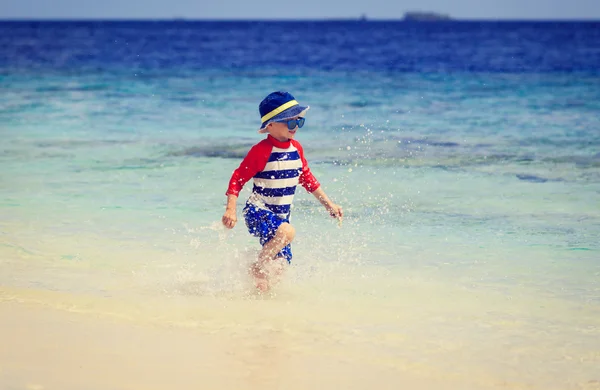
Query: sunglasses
x,y
292,123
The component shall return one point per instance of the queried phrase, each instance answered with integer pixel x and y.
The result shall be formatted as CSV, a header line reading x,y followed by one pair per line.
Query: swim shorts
x,y
263,224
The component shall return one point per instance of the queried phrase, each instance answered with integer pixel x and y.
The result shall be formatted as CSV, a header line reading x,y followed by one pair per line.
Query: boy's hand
x,y
229,218
336,211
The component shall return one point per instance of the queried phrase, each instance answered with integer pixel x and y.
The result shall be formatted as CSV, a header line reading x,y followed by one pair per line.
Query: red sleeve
x,y
307,179
254,162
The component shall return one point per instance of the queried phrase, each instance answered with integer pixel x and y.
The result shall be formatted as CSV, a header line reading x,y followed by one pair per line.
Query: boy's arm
x,y
334,210
312,185
254,162
306,179
230,217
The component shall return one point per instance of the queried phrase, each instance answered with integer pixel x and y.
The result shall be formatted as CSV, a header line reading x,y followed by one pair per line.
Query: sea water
x,y
466,157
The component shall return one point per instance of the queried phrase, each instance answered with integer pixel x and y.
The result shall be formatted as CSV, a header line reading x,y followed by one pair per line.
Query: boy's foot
x,y
261,277
262,285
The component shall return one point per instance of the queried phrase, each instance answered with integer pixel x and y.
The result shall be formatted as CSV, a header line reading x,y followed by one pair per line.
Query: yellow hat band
x,y
278,110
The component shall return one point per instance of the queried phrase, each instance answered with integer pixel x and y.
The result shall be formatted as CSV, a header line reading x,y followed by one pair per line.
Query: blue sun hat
x,y
278,106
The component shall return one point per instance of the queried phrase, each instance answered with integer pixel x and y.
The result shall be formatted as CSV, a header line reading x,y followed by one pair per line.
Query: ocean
x,y
466,156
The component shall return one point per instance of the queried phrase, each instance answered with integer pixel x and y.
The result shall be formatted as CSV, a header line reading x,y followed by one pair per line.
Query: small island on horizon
x,y
422,16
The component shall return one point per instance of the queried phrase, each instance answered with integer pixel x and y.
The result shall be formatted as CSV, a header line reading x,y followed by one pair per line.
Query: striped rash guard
x,y
277,168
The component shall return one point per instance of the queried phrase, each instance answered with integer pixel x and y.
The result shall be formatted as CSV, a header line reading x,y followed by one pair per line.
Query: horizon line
x,y
283,19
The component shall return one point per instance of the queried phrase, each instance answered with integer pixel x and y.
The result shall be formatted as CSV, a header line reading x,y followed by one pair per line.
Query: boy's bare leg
x,y
260,270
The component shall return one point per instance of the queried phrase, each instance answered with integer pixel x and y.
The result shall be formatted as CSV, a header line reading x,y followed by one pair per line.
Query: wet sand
x,y
47,348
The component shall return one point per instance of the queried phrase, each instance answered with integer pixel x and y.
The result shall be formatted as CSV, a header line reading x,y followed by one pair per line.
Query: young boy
x,y
277,165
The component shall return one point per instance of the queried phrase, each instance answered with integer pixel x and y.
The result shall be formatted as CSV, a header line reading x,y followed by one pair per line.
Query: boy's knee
x,y
287,231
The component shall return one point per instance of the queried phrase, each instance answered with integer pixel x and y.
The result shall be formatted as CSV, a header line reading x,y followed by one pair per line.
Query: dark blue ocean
x,y
466,156
299,48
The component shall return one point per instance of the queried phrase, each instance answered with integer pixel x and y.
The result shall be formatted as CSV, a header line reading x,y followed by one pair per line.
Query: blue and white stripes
x,y
275,185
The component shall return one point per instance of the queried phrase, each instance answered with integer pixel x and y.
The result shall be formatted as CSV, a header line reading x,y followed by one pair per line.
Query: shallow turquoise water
x,y
470,165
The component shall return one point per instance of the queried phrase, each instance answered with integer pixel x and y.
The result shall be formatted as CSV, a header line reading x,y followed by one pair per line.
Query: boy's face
x,y
280,131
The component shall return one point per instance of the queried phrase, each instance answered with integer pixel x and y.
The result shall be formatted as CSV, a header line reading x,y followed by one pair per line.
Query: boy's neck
x,y
277,143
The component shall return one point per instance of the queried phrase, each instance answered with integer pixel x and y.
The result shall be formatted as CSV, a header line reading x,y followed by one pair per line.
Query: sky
x,y
304,9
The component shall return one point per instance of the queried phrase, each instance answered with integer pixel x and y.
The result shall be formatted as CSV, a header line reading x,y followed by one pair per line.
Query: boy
x,y
277,165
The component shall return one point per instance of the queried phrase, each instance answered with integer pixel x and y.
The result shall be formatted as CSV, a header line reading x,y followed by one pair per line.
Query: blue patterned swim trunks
x,y
264,224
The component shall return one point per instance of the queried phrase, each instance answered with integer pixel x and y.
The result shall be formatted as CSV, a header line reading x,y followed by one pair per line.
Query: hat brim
x,y
290,113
